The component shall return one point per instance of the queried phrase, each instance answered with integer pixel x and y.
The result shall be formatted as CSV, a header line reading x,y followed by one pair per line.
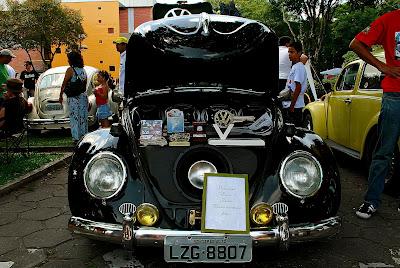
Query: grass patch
x,y
47,138
20,164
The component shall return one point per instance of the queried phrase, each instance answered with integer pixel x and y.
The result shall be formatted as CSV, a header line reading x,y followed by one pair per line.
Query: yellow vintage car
x,y
347,117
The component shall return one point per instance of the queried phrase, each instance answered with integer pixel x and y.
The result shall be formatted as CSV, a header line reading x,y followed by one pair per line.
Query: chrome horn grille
x,y
127,208
280,208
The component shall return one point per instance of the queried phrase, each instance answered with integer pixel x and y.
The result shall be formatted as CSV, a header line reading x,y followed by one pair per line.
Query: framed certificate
x,y
225,205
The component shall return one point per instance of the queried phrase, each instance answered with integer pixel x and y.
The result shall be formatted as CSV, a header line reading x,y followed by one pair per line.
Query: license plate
x,y
228,248
53,107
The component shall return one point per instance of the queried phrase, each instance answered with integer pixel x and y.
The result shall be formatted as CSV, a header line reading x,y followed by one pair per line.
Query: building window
x,y
98,7
101,61
100,41
110,30
99,21
112,68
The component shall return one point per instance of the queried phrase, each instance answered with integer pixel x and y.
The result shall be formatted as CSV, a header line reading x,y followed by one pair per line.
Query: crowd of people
x,y
12,88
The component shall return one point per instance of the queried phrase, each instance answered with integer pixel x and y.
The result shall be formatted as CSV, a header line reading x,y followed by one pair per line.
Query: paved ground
x,y
33,232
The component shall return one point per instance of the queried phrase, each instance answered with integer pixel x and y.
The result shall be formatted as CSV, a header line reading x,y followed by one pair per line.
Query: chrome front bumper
x,y
44,124
154,237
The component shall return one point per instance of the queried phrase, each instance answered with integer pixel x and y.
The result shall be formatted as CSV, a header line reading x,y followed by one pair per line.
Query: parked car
x,y
128,185
48,112
347,117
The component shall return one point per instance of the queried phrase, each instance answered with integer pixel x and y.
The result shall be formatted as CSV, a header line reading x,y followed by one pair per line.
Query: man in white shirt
x,y
284,63
297,83
120,44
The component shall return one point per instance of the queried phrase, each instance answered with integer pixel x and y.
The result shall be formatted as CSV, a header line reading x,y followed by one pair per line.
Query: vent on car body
x,y
280,208
126,208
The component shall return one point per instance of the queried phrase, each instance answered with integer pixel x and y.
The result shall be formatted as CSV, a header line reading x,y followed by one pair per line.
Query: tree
x,y
313,18
44,25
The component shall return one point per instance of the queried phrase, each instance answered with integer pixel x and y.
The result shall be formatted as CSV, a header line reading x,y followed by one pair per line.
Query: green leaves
x,y
40,24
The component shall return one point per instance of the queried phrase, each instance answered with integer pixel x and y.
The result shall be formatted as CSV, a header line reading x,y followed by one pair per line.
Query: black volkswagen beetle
x,y
200,98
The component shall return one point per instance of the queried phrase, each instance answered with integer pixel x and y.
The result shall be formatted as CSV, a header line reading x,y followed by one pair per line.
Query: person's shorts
x,y
103,112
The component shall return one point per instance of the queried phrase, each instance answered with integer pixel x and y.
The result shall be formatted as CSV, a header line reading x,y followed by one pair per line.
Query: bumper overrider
x,y
281,236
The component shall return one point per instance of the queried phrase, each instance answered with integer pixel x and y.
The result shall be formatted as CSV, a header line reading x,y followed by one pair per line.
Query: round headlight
x,y
147,214
104,175
301,174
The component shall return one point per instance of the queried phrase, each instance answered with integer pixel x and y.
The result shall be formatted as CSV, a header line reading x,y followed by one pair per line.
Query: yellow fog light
x,y
147,214
261,214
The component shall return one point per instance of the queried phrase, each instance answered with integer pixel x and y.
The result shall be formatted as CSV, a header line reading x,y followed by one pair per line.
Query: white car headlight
x,y
104,175
301,174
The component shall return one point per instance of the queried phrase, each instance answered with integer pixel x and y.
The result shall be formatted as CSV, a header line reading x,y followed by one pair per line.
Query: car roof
x,y
380,55
63,69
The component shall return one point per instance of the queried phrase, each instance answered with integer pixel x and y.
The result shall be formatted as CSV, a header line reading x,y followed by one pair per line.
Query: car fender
x,y
113,105
80,202
371,125
33,114
315,207
317,111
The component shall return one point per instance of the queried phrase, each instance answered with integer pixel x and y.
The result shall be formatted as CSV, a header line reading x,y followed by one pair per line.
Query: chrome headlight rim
x,y
95,158
296,154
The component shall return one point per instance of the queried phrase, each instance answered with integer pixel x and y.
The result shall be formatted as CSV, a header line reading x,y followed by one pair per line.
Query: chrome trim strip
x,y
343,149
154,237
47,121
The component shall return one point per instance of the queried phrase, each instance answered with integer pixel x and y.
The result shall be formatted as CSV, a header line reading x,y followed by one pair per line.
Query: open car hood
x,y
202,50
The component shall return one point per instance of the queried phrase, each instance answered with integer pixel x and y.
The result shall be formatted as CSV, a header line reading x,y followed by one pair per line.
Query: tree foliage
x,y
44,25
260,10
313,19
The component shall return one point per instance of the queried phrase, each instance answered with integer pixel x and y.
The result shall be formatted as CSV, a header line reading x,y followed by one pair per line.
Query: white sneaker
x,y
366,210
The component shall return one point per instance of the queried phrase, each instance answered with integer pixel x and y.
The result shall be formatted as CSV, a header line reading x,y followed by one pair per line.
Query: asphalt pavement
x,y
33,233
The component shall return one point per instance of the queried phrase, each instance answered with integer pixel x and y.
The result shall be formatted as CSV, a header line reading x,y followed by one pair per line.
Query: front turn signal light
x,y
147,214
261,214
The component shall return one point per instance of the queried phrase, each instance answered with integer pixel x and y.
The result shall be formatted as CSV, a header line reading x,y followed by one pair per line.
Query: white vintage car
x,y
47,112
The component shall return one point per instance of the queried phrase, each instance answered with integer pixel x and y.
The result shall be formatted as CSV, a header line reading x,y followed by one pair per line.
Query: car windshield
x,y
52,80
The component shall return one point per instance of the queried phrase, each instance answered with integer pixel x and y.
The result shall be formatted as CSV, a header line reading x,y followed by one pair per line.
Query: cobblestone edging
x,y
35,174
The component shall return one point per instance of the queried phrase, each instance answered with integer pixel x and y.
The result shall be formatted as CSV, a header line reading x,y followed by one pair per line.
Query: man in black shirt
x,y
29,77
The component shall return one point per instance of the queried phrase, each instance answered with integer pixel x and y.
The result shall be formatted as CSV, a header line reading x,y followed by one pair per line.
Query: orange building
x,y
103,22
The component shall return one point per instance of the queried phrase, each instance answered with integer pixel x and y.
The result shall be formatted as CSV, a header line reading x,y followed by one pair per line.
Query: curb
x,y
34,175
46,149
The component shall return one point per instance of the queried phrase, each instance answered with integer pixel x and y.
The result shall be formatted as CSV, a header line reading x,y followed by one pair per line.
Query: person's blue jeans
x,y
388,135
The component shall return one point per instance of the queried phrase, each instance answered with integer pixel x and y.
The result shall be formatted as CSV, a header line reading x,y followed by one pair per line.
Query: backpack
x,y
74,88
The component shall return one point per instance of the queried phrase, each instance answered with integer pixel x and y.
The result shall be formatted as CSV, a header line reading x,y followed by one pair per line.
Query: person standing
x,y
78,105
285,64
101,93
383,32
120,44
29,76
6,57
297,84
